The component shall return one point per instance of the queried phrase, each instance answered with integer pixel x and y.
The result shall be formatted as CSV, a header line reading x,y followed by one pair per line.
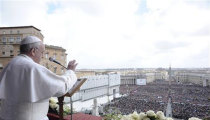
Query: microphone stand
x,y
71,101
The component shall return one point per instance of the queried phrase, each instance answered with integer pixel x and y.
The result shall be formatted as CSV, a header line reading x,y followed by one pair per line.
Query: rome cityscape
x,y
179,92
160,63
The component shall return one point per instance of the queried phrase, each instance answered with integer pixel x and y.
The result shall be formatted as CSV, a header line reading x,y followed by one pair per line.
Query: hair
x,y
26,48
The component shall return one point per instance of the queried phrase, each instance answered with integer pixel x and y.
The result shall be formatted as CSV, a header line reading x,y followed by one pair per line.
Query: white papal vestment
x,y
25,89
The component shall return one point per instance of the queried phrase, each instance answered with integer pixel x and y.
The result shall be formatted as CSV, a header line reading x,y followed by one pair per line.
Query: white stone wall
x,y
117,88
93,93
101,80
98,85
114,79
95,81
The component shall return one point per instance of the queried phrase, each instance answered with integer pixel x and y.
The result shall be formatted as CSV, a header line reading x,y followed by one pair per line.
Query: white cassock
x,y
25,89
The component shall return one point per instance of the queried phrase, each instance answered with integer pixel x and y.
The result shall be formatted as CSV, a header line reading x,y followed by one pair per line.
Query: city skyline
x,y
119,33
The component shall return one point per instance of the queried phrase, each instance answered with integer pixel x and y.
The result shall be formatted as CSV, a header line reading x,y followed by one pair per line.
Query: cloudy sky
x,y
119,33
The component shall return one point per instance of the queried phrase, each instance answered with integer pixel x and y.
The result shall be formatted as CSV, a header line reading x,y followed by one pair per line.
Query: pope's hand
x,y
72,65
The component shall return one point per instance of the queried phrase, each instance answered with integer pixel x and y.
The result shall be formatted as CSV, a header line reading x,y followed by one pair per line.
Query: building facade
x,y
149,76
131,79
57,53
10,38
199,78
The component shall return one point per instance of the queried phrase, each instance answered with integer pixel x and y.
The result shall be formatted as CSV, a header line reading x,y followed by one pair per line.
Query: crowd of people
x,y
187,100
190,100
141,99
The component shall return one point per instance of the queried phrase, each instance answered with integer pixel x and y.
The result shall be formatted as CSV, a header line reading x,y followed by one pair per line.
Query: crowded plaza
x,y
186,100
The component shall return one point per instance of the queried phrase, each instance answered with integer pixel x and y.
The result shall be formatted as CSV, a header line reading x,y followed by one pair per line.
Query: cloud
x,y
17,13
204,31
166,45
119,33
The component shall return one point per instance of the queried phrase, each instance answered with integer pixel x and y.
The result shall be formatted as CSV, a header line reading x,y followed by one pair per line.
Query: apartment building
x,y
57,53
200,78
10,38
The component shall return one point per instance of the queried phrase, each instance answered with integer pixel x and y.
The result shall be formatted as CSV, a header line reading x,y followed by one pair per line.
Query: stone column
x,y
95,107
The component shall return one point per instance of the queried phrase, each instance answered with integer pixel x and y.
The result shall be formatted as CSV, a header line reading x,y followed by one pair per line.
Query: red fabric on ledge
x,y
82,116
53,116
76,116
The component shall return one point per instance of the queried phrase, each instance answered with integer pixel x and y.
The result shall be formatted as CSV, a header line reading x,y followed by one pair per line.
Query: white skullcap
x,y
30,39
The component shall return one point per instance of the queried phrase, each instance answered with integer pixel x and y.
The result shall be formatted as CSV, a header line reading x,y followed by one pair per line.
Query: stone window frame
x,y
11,39
18,39
4,39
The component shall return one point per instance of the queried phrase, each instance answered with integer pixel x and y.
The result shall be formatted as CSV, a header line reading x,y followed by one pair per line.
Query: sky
x,y
103,34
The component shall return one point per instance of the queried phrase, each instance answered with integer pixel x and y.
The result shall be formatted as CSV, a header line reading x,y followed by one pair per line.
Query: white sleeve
x,y
31,82
69,78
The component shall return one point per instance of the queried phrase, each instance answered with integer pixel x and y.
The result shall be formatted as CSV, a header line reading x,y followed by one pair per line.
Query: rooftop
x,y
15,27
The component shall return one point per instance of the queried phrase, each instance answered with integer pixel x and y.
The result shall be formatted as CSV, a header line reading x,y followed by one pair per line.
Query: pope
x,y
26,86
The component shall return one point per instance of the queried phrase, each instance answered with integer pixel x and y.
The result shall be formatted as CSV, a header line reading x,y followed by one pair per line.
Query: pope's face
x,y
39,53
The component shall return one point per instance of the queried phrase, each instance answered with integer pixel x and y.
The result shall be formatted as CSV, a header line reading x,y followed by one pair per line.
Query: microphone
x,y
53,60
